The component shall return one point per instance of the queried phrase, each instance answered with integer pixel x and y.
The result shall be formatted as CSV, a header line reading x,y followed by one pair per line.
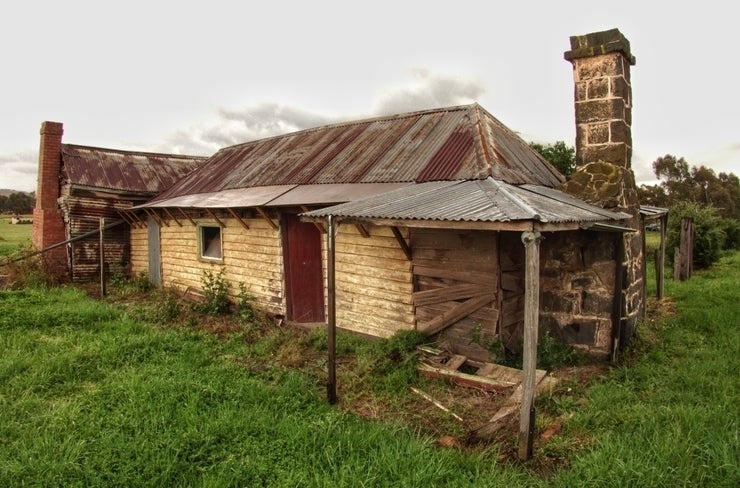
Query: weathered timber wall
x,y
511,262
252,257
452,268
577,278
82,211
139,251
373,282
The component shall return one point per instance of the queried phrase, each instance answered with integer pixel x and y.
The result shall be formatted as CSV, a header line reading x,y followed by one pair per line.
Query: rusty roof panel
x,y
453,143
128,171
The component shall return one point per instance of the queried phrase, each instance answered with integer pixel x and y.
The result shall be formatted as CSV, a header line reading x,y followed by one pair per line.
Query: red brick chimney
x,y
48,223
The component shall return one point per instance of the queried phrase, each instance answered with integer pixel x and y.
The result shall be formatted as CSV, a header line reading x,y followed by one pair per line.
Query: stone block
x,y
597,303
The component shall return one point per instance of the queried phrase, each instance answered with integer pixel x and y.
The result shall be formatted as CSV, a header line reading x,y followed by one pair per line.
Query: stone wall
x,y
603,110
577,275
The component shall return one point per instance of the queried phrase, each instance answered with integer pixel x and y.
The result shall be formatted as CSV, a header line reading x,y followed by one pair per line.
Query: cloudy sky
x,y
191,77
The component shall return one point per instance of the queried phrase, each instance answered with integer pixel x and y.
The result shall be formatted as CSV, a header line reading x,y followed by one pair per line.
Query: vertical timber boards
x,y
511,260
454,271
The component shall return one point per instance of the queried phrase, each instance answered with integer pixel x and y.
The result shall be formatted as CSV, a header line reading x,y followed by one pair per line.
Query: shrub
x,y
709,232
215,293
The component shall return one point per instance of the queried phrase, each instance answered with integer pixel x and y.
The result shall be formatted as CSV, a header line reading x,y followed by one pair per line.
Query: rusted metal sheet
x,y
455,143
127,171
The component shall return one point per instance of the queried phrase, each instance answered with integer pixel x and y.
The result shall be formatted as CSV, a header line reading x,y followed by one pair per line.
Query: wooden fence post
x,y
101,252
683,261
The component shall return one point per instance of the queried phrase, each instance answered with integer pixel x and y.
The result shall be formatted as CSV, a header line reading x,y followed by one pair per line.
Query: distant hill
x,y
5,192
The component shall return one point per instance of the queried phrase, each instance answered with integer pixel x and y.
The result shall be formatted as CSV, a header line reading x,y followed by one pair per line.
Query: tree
x,y
682,183
559,154
17,203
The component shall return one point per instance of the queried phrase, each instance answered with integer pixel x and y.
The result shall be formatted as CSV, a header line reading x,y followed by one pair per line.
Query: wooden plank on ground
x,y
455,361
460,378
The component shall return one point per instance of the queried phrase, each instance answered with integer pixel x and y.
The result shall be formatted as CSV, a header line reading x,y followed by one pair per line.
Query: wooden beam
x,y
184,214
101,255
264,215
128,218
531,241
362,230
488,279
237,217
154,215
456,313
448,293
172,217
402,241
215,217
316,223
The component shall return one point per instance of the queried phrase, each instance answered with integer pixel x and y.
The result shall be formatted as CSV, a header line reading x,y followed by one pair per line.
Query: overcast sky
x,y
191,77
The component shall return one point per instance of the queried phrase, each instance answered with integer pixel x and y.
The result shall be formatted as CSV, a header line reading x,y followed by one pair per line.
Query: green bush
x,y
731,228
709,232
215,293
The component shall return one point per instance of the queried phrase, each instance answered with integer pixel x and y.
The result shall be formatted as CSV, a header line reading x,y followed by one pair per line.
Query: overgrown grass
x,y
89,397
669,415
13,237
92,395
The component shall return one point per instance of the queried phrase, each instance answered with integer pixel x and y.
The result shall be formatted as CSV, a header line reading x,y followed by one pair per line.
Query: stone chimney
x,y
48,223
603,115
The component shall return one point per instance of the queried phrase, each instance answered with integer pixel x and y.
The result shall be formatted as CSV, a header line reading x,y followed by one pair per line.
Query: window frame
x,y
203,241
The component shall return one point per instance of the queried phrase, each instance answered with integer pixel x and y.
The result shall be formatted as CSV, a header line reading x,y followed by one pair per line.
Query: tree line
x,y
711,200
17,203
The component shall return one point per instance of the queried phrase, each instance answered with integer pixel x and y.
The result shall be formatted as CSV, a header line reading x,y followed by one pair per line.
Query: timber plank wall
x,y
373,282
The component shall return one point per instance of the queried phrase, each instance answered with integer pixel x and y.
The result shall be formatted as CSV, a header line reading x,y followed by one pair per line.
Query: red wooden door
x,y
304,284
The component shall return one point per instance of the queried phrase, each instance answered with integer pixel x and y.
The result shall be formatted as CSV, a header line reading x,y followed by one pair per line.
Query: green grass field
x,y
13,237
97,395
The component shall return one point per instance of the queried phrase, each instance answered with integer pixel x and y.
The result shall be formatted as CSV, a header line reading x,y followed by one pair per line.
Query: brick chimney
x,y
48,223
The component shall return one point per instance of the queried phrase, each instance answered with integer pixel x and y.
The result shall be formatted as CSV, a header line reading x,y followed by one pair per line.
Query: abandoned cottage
x,y
426,214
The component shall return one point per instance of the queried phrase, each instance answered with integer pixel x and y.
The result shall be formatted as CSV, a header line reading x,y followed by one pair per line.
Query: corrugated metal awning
x,y
332,193
278,196
485,200
650,212
256,196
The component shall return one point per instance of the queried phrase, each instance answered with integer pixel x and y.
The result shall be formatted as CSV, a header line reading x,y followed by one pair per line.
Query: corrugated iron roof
x,y
456,143
650,212
129,171
485,200
277,196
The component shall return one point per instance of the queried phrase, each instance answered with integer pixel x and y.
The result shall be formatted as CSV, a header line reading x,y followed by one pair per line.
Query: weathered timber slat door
x,y
456,288
304,283
155,263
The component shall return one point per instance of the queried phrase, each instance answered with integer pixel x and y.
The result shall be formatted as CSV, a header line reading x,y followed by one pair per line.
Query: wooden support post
x,y
331,385
683,262
660,262
531,241
101,252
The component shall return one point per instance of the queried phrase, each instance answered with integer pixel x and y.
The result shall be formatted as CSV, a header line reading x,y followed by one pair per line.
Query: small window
x,y
210,243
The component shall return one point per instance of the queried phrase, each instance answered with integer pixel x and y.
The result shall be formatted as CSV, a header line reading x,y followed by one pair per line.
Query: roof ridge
x,y
348,123
126,151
